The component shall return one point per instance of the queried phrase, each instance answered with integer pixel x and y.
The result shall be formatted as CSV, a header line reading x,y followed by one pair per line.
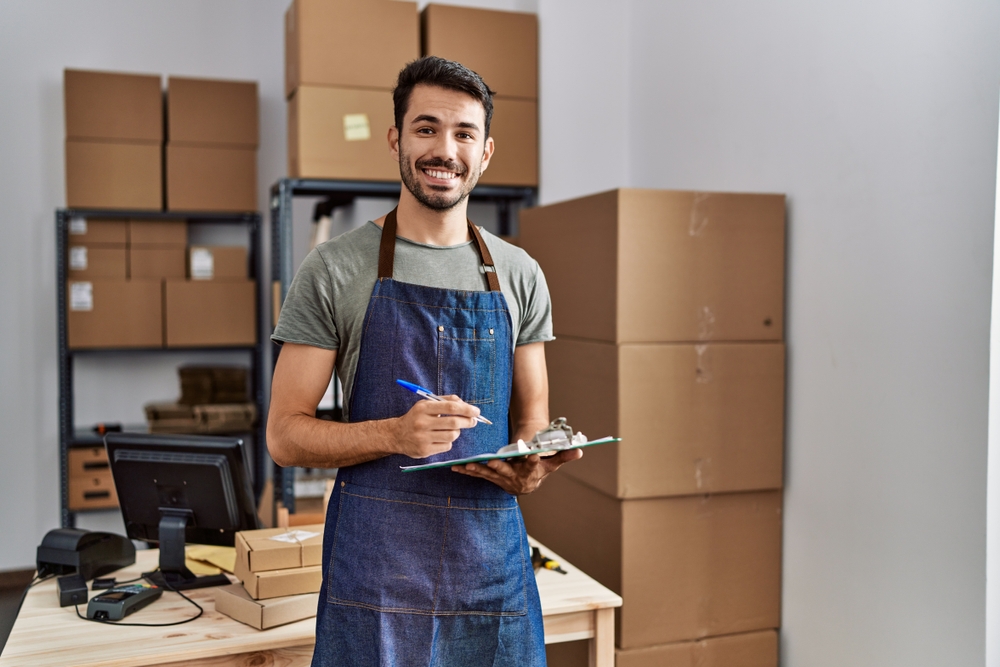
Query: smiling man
x,y
433,567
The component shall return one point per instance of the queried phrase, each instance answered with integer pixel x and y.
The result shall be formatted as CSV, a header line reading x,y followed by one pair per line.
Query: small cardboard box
x,y
692,418
217,263
157,232
91,231
211,178
94,491
210,312
104,174
86,261
279,583
500,46
340,133
236,603
349,43
661,266
752,649
111,105
687,568
212,111
514,129
280,548
156,261
114,313
87,461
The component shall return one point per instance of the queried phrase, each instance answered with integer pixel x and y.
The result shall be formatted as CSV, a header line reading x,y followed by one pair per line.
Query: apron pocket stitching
x,y
422,612
444,546
428,305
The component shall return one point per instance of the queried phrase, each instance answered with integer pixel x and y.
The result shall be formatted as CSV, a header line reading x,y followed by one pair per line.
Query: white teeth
x,y
440,174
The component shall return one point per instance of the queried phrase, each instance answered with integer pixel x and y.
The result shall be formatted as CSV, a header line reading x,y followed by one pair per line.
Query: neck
x,y
424,225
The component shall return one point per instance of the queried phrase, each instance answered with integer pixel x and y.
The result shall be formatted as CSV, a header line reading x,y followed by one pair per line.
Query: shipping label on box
x,y
236,603
280,548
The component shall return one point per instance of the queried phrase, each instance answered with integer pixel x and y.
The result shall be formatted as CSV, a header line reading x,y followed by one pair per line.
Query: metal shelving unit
x,y
69,437
343,193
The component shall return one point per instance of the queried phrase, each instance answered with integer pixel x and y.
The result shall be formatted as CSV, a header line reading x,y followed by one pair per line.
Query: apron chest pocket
x,y
466,363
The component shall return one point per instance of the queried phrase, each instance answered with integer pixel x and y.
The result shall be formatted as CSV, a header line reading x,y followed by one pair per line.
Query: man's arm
x,y
296,437
529,407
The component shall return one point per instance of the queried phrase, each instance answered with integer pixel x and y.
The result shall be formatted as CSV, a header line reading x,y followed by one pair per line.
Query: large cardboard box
x,y
656,266
157,232
514,129
340,133
362,43
687,568
86,261
693,418
156,261
752,649
114,313
104,174
93,231
279,548
210,312
235,602
279,583
217,263
212,111
111,105
211,178
500,46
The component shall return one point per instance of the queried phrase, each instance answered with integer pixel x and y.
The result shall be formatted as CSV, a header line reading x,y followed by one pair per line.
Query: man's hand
x,y
430,427
521,475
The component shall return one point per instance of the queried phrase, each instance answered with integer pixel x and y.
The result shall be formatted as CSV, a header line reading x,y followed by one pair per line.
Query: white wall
x,y
993,465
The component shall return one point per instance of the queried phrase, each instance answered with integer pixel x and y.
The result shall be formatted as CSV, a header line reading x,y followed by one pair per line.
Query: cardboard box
x,y
157,232
279,583
359,43
658,266
236,603
211,111
280,548
114,313
514,129
500,46
210,312
182,418
91,492
110,105
86,261
340,133
687,568
91,231
102,174
209,178
753,649
87,461
692,418
217,263
156,261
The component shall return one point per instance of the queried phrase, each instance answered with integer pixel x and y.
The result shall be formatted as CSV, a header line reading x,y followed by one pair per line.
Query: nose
x,y
445,146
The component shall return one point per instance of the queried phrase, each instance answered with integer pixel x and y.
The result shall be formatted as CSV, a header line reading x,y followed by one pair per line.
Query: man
x,y
432,567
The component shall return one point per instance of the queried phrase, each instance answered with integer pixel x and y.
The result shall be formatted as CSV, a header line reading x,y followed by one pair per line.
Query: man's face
x,y
442,149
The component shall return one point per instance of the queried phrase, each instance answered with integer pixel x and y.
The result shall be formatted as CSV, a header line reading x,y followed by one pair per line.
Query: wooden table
x,y
574,606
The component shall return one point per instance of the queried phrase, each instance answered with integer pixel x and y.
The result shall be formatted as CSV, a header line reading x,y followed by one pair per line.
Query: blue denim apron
x,y
429,568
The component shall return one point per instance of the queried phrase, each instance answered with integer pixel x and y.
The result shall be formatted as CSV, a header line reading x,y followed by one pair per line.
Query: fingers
x,y
452,405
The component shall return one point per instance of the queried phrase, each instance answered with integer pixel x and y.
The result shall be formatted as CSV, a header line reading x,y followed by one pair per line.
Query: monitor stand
x,y
173,573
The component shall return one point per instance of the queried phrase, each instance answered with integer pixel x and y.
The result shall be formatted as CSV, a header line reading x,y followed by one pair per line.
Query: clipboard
x,y
482,458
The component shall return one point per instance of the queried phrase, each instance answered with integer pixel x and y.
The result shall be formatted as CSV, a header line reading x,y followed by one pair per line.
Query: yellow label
x,y
356,127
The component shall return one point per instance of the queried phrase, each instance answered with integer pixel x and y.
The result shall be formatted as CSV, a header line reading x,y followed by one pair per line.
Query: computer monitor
x,y
175,489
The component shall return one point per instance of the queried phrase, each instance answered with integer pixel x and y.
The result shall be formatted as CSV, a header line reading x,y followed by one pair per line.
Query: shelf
x,y
190,216
137,350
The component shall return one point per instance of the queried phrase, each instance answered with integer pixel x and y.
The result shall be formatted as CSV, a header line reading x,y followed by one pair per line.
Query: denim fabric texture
x,y
429,568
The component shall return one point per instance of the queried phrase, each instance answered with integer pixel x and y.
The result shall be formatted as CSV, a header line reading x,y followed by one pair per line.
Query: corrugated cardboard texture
x,y
210,312
153,232
101,174
201,178
502,47
228,262
109,105
317,145
156,261
235,602
658,266
278,583
212,111
96,230
125,314
687,568
258,552
514,129
103,261
753,649
693,418
349,42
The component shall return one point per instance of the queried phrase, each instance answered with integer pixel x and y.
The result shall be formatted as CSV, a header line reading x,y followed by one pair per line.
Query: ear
x,y
487,154
393,139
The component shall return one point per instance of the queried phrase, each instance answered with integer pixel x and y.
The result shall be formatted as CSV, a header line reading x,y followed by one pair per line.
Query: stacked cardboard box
x,y
341,62
668,309
90,483
502,47
212,129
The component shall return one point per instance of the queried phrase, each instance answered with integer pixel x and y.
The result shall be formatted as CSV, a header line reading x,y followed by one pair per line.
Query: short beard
x,y
434,200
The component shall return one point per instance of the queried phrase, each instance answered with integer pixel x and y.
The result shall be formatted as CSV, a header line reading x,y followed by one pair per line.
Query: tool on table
x,y
120,601
540,561
426,393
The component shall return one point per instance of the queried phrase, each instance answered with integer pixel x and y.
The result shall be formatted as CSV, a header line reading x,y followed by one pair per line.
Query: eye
x,y
425,130
466,136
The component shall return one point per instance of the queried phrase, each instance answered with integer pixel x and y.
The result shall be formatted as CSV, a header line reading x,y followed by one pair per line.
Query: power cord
x,y
148,625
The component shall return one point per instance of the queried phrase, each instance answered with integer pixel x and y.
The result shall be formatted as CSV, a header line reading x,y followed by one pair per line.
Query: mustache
x,y
436,162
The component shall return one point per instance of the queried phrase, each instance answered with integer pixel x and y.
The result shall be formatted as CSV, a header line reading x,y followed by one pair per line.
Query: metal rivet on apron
x,y
343,484
440,328
491,332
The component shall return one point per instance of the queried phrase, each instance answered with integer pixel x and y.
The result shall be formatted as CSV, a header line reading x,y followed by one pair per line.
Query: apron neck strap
x,y
387,252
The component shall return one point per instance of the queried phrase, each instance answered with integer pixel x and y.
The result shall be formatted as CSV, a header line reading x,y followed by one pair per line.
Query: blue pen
x,y
426,393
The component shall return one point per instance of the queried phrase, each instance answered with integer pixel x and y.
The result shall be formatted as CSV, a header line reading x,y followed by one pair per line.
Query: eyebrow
x,y
425,118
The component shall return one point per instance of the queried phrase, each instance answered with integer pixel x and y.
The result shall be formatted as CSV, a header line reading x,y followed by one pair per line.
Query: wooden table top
x,y
45,634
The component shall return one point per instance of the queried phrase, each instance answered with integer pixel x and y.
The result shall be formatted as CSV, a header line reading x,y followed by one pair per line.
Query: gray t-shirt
x,y
329,295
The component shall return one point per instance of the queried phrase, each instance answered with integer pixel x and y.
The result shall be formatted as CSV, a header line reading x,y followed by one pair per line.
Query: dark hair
x,y
434,71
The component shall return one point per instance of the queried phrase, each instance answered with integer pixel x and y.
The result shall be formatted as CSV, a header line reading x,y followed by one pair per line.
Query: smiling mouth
x,y
442,175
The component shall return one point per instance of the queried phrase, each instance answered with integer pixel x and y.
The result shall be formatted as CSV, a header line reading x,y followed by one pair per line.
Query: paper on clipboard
x,y
506,455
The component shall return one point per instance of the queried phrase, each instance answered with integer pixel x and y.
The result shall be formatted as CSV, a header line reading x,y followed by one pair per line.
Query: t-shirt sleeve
x,y
536,316
307,314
